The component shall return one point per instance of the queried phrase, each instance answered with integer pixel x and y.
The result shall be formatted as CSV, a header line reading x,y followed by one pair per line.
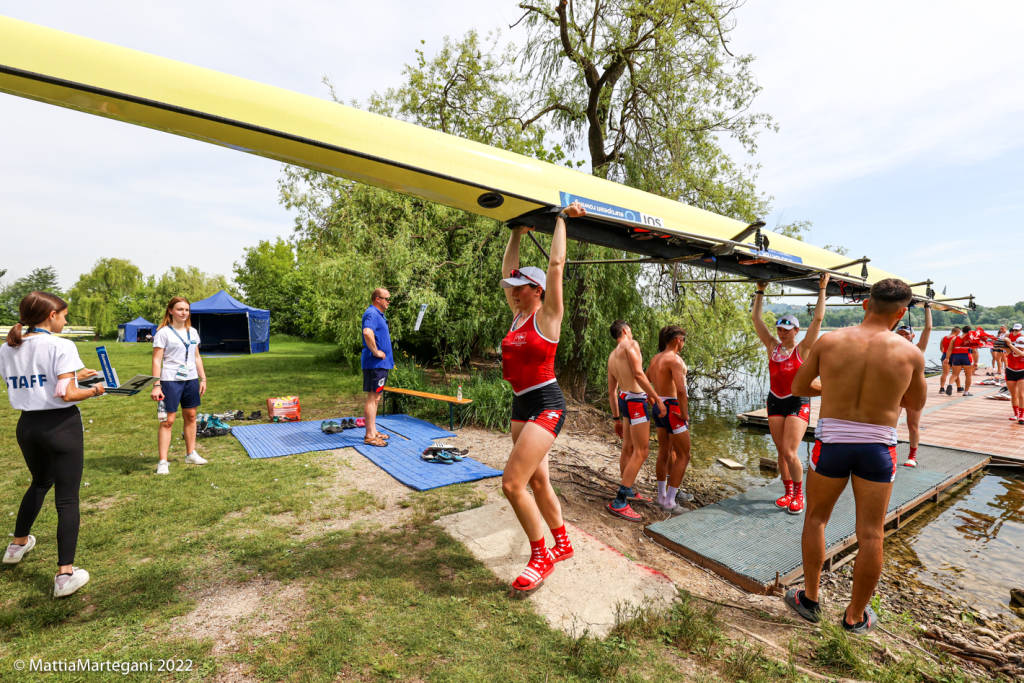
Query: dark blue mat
x,y
400,458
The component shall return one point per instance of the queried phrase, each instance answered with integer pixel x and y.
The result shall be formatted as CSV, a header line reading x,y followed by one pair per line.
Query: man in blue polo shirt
x,y
376,361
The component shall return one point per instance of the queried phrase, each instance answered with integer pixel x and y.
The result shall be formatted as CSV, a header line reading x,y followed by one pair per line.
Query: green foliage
x,y
106,296
352,238
115,291
42,279
269,278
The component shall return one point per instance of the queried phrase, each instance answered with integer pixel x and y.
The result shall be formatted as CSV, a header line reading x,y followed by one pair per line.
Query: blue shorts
x,y
673,420
960,359
871,461
633,408
374,380
185,392
943,356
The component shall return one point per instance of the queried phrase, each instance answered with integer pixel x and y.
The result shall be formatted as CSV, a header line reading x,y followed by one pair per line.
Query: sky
x,y
901,130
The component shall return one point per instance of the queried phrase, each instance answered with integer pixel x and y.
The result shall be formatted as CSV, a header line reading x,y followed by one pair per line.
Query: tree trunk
x,y
574,370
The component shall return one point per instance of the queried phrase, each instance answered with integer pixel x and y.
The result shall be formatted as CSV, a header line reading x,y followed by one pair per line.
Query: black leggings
x,y
51,441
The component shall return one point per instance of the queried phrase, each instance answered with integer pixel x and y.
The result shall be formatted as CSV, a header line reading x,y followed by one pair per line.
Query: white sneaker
x,y
66,584
194,458
16,552
162,467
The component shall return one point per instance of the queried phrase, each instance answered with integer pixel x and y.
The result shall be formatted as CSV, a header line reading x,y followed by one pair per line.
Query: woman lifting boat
x,y
538,406
788,415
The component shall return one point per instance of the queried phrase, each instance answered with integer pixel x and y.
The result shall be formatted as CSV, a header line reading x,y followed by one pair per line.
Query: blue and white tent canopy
x,y
226,324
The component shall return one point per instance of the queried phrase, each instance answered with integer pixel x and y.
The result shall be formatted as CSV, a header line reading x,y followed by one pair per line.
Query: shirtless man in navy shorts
x,y
867,373
629,391
667,373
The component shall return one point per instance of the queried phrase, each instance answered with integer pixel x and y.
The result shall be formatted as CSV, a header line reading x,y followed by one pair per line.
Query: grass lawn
x,y
172,555
402,603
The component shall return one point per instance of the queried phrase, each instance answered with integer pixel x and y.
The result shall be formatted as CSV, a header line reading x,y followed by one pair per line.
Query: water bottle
x,y
458,394
161,411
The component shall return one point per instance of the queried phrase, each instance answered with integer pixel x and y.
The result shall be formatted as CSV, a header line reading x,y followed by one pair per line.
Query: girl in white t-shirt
x,y
182,380
41,373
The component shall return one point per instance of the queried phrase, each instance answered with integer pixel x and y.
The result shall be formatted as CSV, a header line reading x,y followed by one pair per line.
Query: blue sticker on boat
x,y
780,255
611,211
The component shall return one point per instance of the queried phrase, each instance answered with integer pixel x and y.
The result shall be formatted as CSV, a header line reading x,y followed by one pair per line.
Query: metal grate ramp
x,y
749,541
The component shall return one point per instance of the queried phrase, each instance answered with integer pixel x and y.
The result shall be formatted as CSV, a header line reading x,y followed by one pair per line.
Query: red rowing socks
x,y
562,550
539,567
797,489
786,499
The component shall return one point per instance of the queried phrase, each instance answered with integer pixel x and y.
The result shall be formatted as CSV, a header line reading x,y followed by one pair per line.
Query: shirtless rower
x,y
867,373
667,373
629,390
914,416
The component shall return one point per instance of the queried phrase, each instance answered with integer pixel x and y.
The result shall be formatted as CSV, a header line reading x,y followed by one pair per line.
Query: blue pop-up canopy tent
x,y
226,324
135,331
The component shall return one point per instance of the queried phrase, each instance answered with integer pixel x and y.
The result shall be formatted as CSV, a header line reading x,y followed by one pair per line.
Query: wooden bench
x,y
450,400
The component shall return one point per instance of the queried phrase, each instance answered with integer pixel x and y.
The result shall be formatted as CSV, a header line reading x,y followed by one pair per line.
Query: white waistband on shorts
x,y
668,398
633,396
535,386
834,430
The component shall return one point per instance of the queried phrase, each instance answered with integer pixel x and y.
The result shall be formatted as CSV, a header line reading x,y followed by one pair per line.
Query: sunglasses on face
x,y
385,298
519,273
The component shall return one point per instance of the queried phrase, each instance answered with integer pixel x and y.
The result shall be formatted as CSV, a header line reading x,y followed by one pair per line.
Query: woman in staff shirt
x,y
41,372
182,380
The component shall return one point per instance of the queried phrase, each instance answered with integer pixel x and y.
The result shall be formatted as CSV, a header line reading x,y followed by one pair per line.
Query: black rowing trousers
x,y
52,443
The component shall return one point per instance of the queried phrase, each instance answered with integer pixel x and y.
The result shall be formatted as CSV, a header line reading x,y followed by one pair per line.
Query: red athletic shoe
x,y
562,551
1013,419
537,569
796,506
784,501
625,513
911,462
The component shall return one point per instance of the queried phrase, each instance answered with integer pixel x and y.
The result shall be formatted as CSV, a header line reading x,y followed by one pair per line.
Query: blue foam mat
x,y
400,458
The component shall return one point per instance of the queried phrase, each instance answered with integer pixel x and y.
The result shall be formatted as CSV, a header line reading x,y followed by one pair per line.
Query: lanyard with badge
x,y
182,372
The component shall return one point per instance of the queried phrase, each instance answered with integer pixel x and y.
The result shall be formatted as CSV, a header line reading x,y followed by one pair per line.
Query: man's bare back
x,y
667,373
867,373
622,367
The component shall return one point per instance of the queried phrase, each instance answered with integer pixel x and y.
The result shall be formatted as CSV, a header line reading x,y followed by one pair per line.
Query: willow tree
x,y
647,90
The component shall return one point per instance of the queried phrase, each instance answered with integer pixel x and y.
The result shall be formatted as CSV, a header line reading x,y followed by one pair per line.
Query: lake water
x,y
970,545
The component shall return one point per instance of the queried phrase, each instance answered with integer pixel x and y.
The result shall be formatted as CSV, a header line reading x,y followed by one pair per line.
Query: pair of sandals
x,y
380,440
444,455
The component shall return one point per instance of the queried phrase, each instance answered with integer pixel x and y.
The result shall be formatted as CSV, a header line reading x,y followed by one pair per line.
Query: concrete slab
x,y
585,593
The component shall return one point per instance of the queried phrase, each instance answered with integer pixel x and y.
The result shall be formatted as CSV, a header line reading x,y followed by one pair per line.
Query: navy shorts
x,y
791,406
943,356
960,359
871,461
633,409
544,406
185,392
673,420
374,380
1014,375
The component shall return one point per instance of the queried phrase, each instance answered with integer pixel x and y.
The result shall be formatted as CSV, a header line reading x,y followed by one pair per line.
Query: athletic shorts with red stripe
x,y
634,407
673,420
795,406
544,406
871,461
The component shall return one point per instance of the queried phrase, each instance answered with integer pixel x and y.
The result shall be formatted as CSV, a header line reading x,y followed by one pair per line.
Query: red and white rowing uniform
x,y
528,364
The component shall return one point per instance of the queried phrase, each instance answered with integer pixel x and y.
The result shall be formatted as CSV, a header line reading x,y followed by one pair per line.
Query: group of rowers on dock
x,y
865,375
961,351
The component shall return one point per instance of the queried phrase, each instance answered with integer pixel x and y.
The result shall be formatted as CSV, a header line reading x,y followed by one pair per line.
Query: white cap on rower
x,y
527,275
1019,342
1017,326
788,322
